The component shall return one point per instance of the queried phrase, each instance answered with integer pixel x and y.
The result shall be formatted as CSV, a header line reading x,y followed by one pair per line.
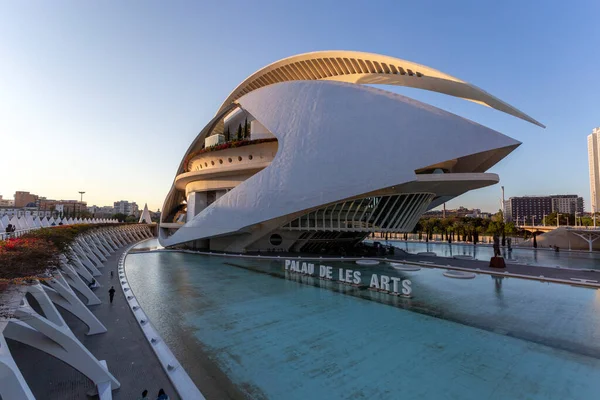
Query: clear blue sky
x,y
107,96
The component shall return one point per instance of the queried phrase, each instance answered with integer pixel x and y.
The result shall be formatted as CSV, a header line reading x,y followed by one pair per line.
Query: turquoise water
x,y
278,338
543,257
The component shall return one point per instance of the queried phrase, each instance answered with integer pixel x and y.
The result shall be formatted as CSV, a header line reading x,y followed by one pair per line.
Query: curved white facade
x,y
339,161
368,68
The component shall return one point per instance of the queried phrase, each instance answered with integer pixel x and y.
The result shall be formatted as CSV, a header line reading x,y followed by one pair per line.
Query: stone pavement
x,y
128,355
533,271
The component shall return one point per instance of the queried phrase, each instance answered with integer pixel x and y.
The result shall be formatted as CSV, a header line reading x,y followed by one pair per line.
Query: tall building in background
x,y
594,162
126,207
527,210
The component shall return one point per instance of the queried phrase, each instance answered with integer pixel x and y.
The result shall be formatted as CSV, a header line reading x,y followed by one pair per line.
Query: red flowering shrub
x,y
33,255
63,235
26,258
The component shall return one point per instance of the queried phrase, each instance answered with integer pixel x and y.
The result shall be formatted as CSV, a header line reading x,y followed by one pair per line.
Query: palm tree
x,y
458,228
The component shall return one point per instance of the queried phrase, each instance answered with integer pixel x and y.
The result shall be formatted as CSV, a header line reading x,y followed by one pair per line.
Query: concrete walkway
x,y
531,271
128,355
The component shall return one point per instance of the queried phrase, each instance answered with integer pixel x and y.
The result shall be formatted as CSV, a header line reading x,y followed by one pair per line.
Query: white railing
x,y
571,227
20,232
15,234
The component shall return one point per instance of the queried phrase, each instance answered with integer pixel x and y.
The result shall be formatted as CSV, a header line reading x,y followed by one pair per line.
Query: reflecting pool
x,y
543,257
280,335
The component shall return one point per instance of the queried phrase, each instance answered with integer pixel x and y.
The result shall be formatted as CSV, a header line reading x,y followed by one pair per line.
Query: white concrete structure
x,y
336,160
145,216
49,332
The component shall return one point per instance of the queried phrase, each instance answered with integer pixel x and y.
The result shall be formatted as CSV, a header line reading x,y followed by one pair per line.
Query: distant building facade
x,y
22,199
62,207
101,212
459,212
532,209
594,165
6,202
126,207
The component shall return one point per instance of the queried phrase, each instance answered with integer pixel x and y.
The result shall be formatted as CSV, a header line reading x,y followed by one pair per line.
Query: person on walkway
x,y
144,395
111,293
8,230
162,395
111,274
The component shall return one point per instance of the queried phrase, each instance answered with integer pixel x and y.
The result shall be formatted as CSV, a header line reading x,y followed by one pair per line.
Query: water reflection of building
x,y
302,157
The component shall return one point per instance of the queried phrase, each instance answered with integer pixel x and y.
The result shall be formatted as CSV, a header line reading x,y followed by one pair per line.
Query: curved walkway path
x,y
124,347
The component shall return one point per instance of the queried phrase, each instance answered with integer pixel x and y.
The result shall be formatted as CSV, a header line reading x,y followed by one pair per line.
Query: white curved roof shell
x,y
339,140
367,68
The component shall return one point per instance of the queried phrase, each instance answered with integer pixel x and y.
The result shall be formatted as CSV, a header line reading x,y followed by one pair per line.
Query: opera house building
x,y
306,154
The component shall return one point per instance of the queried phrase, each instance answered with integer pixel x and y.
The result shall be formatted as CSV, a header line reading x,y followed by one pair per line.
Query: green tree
x,y
85,214
510,228
499,228
564,219
119,217
246,130
239,132
587,221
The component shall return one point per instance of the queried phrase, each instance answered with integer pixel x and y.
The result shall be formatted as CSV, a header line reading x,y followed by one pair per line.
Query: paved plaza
x,y
128,355
532,271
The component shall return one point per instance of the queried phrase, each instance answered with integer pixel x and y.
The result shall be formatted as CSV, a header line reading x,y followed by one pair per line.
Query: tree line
x,y
466,229
469,229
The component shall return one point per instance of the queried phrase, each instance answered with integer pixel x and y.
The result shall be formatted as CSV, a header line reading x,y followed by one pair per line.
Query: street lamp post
x,y
80,201
558,220
533,219
544,220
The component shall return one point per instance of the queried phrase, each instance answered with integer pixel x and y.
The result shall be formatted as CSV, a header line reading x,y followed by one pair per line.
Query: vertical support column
x,y
32,329
59,292
73,279
89,253
196,202
12,384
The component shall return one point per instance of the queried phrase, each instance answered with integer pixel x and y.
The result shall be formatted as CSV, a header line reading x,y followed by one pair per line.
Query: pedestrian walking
x,y
111,274
144,395
111,293
8,230
162,395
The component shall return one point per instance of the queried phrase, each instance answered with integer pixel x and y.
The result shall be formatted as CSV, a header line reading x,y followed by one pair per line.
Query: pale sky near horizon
x,y
106,96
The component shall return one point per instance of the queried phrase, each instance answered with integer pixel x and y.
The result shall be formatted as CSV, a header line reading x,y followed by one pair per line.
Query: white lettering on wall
x,y
374,281
395,283
406,287
391,284
385,283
